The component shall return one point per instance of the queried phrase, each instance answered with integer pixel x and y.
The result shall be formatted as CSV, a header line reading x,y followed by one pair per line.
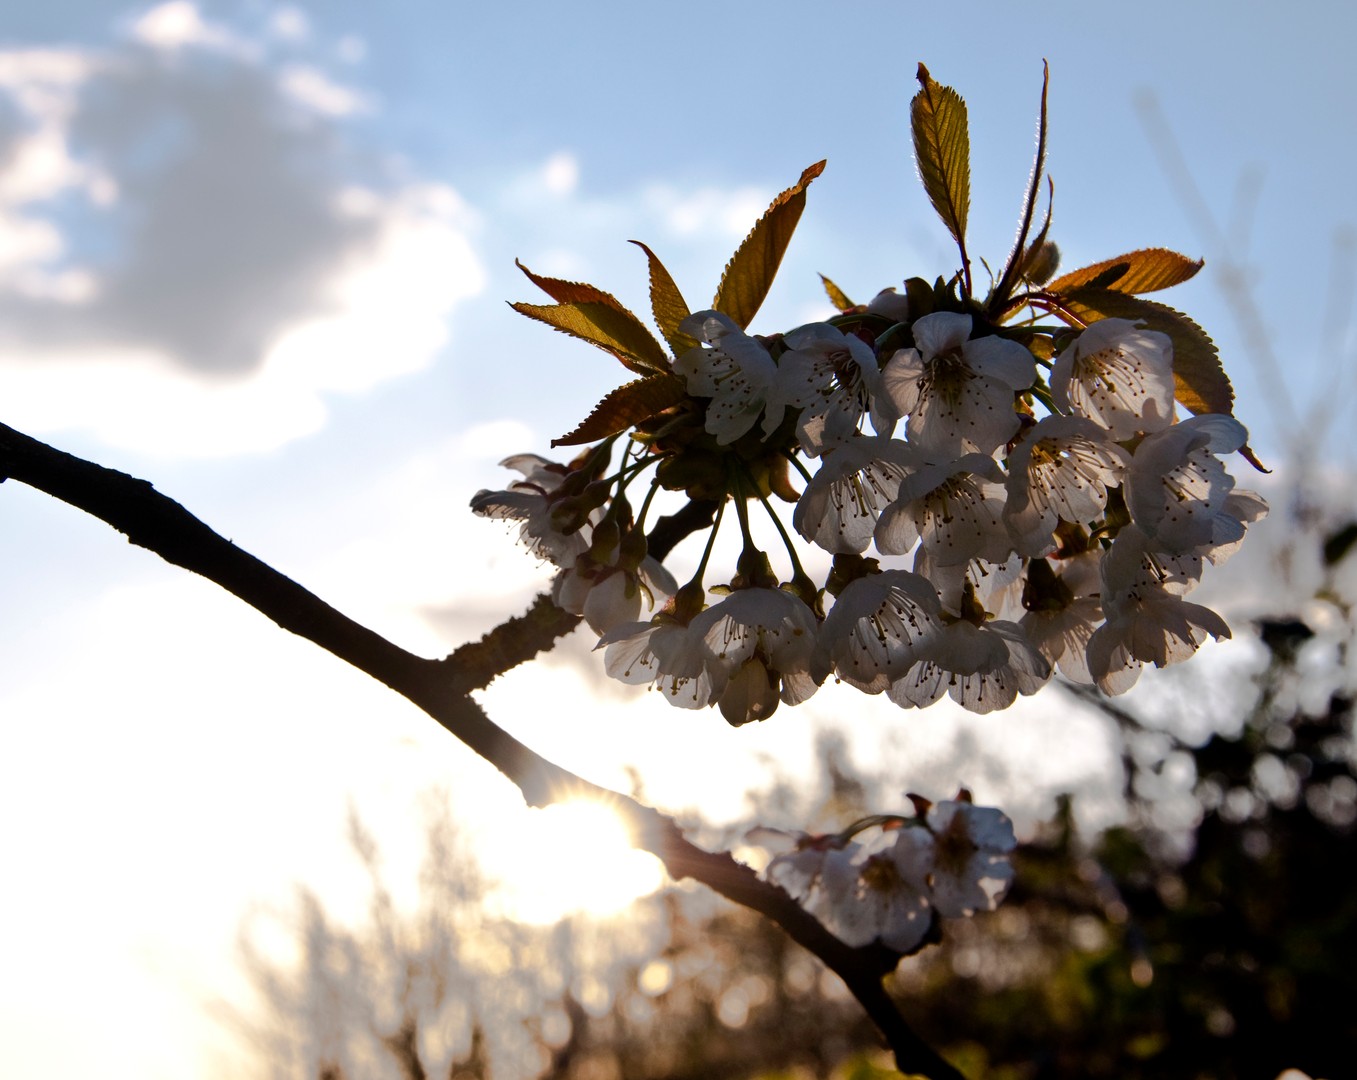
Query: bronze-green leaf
x,y
629,404
667,304
1200,381
613,329
1146,271
837,296
750,272
942,149
570,292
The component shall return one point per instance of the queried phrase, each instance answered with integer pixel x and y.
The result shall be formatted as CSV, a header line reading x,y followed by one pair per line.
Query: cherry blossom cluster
x,y
949,860
977,547
980,500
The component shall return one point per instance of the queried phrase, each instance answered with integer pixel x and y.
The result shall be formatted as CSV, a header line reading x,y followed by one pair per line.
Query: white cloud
x,y
387,316
248,276
40,79
561,173
290,24
178,24
351,49
310,87
35,160
708,209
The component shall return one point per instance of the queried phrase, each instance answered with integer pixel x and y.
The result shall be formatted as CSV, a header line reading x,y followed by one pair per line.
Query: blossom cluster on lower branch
x,y
949,861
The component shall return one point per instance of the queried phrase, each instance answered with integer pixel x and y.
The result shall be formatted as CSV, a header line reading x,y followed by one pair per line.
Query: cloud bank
x,y
193,250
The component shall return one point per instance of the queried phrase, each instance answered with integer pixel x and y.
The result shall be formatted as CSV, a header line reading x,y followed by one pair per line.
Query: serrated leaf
x,y
749,274
570,292
629,404
1147,270
836,295
1200,381
667,304
942,150
613,329
1108,278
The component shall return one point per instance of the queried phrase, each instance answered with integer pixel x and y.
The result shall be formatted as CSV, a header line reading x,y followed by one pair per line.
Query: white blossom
x,y
957,391
1059,470
1177,488
981,667
608,596
970,869
664,653
757,644
798,869
891,303
736,372
955,509
833,378
996,586
1118,374
863,896
840,507
1063,612
1148,621
874,632
531,501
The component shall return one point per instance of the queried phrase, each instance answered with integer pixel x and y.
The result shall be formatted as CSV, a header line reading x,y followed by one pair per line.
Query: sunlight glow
x,y
575,858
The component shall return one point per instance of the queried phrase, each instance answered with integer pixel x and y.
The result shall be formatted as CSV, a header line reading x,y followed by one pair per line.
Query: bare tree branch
x,y
439,687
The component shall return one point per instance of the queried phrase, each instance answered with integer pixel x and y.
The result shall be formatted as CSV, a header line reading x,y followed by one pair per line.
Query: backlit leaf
x,y
667,304
749,274
942,149
837,296
1146,270
614,329
570,292
629,404
1200,381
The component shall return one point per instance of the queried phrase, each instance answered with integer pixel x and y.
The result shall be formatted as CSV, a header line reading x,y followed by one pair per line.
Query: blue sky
x,y
260,254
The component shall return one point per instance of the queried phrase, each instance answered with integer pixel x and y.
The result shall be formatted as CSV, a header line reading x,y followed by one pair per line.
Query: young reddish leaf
x,y
667,304
749,274
629,404
1146,271
613,329
942,149
1200,381
1019,256
570,292
837,296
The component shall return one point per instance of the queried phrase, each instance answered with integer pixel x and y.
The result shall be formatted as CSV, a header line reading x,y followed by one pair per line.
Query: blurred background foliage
x,y
1212,932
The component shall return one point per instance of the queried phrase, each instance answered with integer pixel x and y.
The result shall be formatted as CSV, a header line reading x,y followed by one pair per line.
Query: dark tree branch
x,y
473,665
159,524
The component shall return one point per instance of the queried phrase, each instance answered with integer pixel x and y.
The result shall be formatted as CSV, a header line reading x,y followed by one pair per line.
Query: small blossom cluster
x,y
949,861
977,547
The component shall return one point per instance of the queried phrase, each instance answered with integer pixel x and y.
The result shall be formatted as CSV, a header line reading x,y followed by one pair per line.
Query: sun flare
x,y
574,858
